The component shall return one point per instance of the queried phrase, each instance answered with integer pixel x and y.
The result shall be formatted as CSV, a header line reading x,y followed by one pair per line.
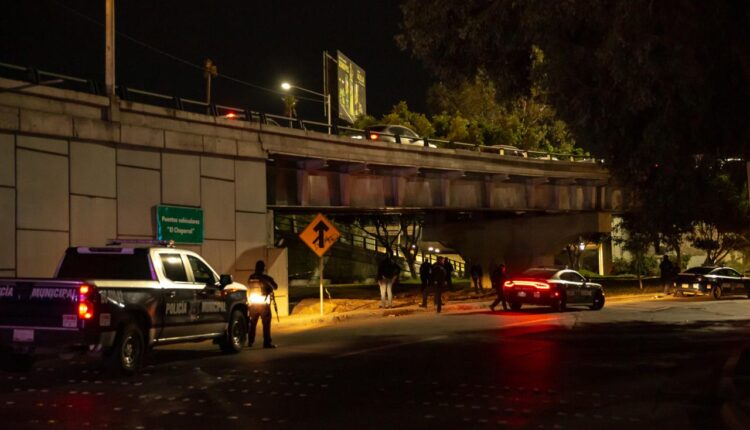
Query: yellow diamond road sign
x,y
320,235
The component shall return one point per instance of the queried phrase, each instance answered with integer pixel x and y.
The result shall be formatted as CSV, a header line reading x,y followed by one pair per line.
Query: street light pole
x,y
109,50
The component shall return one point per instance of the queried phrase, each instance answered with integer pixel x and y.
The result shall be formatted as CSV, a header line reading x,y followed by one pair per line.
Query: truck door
x,y
212,306
179,308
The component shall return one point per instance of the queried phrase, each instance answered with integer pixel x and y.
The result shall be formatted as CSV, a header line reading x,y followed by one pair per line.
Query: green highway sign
x,y
180,224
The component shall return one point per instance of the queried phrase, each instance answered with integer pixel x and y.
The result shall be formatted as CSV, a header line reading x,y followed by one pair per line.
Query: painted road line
x,y
391,346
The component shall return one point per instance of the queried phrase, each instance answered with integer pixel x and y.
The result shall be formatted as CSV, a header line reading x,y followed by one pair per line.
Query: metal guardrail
x,y
368,243
36,76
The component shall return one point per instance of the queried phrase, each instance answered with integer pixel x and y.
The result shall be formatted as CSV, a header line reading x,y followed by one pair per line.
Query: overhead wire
x,y
176,58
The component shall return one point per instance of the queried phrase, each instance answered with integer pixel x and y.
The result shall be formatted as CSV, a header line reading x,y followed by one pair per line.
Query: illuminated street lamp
x,y
286,86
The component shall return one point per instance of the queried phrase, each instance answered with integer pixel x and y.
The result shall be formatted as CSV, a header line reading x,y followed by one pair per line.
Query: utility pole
x,y
209,71
109,55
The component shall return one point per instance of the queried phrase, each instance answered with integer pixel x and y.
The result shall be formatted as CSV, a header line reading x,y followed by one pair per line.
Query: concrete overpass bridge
x,y
77,169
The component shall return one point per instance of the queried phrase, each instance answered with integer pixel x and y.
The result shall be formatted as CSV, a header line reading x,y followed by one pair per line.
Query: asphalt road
x,y
645,364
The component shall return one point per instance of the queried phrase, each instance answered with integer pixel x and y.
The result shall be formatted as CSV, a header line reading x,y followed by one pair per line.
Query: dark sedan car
x,y
557,288
716,281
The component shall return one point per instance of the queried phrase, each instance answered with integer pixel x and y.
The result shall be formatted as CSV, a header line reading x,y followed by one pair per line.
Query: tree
x,y
363,121
411,232
394,232
722,219
659,89
636,241
401,115
473,111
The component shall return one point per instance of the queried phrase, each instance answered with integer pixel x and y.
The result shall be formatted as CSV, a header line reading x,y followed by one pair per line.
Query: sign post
x,y
320,235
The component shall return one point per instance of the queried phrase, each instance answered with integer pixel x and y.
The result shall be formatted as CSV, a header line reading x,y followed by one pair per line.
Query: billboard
x,y
351,89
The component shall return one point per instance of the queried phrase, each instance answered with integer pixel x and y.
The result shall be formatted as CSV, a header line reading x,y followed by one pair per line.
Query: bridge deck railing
x,y
37,77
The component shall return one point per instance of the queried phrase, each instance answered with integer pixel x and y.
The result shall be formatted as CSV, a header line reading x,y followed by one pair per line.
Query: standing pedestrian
x,y
498,277
425,271
666,270
260,293
437,283
476,276
388,272
448,272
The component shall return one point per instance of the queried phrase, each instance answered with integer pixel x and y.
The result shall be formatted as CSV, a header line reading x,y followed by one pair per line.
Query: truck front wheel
x,y
127,354
236,335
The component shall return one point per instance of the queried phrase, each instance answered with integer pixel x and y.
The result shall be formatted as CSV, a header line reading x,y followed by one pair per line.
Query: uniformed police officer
x,y
437,282
260,292
498,277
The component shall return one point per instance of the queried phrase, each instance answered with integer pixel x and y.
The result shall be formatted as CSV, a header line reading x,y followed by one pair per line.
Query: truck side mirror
x,y
225,280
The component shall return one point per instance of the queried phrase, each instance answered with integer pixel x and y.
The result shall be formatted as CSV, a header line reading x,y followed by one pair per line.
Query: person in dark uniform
x,y
476,276
437,283
498,277
425,271
260,292
448,272
666,271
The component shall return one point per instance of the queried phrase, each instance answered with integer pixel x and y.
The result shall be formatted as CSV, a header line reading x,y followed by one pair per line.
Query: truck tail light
x,y
85,305
85,310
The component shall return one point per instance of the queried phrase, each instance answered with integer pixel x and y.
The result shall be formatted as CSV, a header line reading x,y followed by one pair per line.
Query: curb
x,y
337,317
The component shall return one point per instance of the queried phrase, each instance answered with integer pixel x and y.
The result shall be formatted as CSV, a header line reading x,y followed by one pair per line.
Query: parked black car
x,y
716,281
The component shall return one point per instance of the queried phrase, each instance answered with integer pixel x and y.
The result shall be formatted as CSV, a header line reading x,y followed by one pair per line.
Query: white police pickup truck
x,y
119,301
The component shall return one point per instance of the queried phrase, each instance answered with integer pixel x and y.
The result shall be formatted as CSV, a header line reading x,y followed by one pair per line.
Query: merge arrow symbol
x,y
321,228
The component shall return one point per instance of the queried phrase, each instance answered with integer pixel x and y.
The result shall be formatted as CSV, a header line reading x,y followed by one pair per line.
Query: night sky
x,y
260,42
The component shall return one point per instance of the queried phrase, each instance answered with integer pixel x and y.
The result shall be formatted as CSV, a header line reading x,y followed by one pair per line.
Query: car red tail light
x,y
508,284
374,136
536,284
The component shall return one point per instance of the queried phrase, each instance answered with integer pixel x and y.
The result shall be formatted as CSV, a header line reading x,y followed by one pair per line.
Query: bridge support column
x,y
519,242
445,192
605,257
398,190
345,186
303,187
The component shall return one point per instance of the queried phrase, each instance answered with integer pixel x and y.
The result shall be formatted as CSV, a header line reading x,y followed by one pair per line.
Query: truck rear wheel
x,y
236,335
126,356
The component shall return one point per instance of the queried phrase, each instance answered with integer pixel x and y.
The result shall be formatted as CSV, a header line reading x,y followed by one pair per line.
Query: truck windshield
x,y
105,266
